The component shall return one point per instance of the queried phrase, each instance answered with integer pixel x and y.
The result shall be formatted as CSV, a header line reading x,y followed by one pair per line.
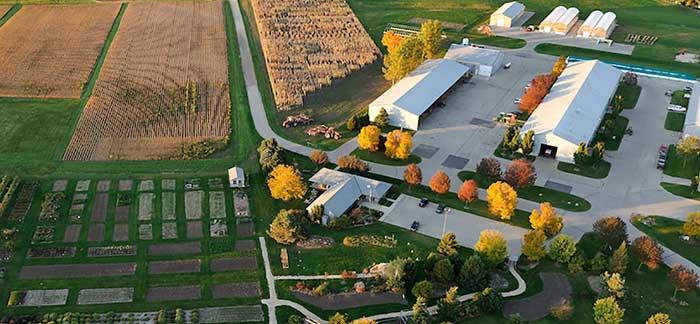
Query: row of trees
x,y
512,142
397,144
405,54
540,86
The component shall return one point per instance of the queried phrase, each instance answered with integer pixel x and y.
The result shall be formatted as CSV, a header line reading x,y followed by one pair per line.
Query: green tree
x,y
514,142
448,244
431,36
473,275
270,154
694,181
581,156
562,248
619,260
597,152
527,145
285,228
533,245
444,271
423,289
688,146
382,118
607,311
448,307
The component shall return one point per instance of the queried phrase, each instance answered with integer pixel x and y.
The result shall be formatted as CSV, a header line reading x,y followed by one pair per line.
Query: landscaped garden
x,y
680,165
629,93
680,190
669,232
674,121
597,170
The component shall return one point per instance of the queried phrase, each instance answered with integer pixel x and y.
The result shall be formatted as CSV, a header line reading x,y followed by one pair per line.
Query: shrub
x,y
489,167
321,289
473,275
423,289
443,271
488,301
562,310
352,163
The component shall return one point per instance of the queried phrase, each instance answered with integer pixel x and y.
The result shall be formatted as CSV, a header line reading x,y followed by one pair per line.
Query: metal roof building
x,y
572,111
482,61
567,21
548,22
507,14
691,127
589,24
408,100
342,190
605,26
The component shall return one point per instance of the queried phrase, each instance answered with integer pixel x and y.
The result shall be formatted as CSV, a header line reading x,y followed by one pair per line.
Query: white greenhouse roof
x,y
510,9
691,127
593,19
607,21
568,16
576,102
421,88
554,15
470,54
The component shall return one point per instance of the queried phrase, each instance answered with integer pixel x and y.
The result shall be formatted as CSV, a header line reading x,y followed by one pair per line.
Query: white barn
x,y
507,14
236,177
586,29
572,111
481,61
407,101
691,127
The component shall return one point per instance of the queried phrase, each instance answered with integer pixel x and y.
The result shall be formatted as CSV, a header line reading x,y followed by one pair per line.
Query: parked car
x,y
668,93
507,65
676,108
686,95
414,226
516,101
440,208
688,88
423,202
661,162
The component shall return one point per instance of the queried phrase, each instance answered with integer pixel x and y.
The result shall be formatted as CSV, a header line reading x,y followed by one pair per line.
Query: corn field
x,y
50,51
163,86
308,43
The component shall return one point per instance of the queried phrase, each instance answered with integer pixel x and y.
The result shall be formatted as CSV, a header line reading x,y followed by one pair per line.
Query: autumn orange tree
x,y
285,183
536,92
413,175
502,199
391,40
318,157
398,145
440,182
683,279
352,163
546,219
520,174
369,138
647,251
468,192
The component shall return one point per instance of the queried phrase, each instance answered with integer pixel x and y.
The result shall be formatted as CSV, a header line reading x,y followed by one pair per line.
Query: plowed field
x,y
50,51
163,86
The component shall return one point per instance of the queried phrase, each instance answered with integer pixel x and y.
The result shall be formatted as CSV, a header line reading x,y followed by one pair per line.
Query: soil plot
x,y
168,205
99,208
50,297
146,206
50,51
217,204
235,290
233,264
105,296
231,314
163,86
175,248
157,294
193,204
77,270
174,266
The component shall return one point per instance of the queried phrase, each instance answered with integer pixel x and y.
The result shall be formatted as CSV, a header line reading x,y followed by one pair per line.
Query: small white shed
x,y
236,177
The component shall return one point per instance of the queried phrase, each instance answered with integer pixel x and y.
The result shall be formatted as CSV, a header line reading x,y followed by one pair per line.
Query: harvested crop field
x,y
50,51
163,86
330,38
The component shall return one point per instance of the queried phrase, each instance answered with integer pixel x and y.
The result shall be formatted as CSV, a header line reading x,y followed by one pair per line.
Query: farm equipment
x,y
297,120
327,132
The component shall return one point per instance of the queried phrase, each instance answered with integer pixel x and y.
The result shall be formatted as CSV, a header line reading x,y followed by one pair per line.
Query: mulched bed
x,y
82,185
245,229
555,288
23,201
50,297
120,233
217,204
146,185
316,242
158,294
125,185
174,266
168,184
231,314
349,300
217,228
194,230
51,252
109,251
105,296
146,206
104,185
245,245
96,232
121,214
77,270
193,204
241,206
169,231
235,290
234,264
72,233
145,232
175,248
59,185
168,203
99,208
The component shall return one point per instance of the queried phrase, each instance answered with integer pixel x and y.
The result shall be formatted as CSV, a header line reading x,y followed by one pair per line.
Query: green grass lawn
x,y
619,126
558,199
598,170
381,158
678,99
679,166
674,121
668,231
681,190
630,94
499,152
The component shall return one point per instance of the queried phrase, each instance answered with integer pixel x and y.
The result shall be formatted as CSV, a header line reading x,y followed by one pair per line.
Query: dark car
x,y
661,162
423,202
414,226
440,209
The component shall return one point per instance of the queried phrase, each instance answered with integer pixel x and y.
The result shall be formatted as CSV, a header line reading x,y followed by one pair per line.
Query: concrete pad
x,y
145,232
173,293
483,123
72,233
194,230
120,233
169,231
455,162
105,296
96,232
425,151
558,186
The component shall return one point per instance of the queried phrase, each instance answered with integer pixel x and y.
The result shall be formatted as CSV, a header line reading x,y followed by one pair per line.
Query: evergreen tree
x,y
619,260
448,307
382,118
527,145
474,275
420,314
581,156
448,244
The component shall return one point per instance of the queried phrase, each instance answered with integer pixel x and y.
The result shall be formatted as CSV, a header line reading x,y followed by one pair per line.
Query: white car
x,y
686,96
516,101
676,108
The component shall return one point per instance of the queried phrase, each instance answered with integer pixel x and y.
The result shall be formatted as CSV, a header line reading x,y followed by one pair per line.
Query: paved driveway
x,y
467,227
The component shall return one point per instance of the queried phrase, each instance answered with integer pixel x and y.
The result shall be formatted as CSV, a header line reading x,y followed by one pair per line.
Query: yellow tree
x,y
559,67
285,183
431,37
364,321
546,219
692,226
533,245
502,199
492,246
403,59
659,318
398,145
369,138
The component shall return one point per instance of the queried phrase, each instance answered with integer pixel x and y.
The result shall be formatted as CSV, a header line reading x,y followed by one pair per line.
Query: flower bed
x,y
370,240
316,242
51,207
43,234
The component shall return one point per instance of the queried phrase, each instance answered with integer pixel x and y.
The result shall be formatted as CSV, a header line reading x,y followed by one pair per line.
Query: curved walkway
x,y
556,286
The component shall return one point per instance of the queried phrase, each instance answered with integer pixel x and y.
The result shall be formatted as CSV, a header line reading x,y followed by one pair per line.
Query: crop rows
x,y
163,86
50,51
308,43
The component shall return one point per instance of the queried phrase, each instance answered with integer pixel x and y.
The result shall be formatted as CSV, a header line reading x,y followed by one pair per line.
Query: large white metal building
x,y
481,61
691,127
407,101
507,14
574,108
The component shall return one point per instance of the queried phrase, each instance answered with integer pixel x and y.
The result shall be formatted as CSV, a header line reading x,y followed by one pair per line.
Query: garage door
x,y
501,22
547,29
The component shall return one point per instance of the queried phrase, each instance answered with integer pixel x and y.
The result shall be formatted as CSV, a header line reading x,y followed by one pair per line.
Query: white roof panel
x,y
510,9
576,103
554,15
421,88
470,54
568,16
593,19
607,21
